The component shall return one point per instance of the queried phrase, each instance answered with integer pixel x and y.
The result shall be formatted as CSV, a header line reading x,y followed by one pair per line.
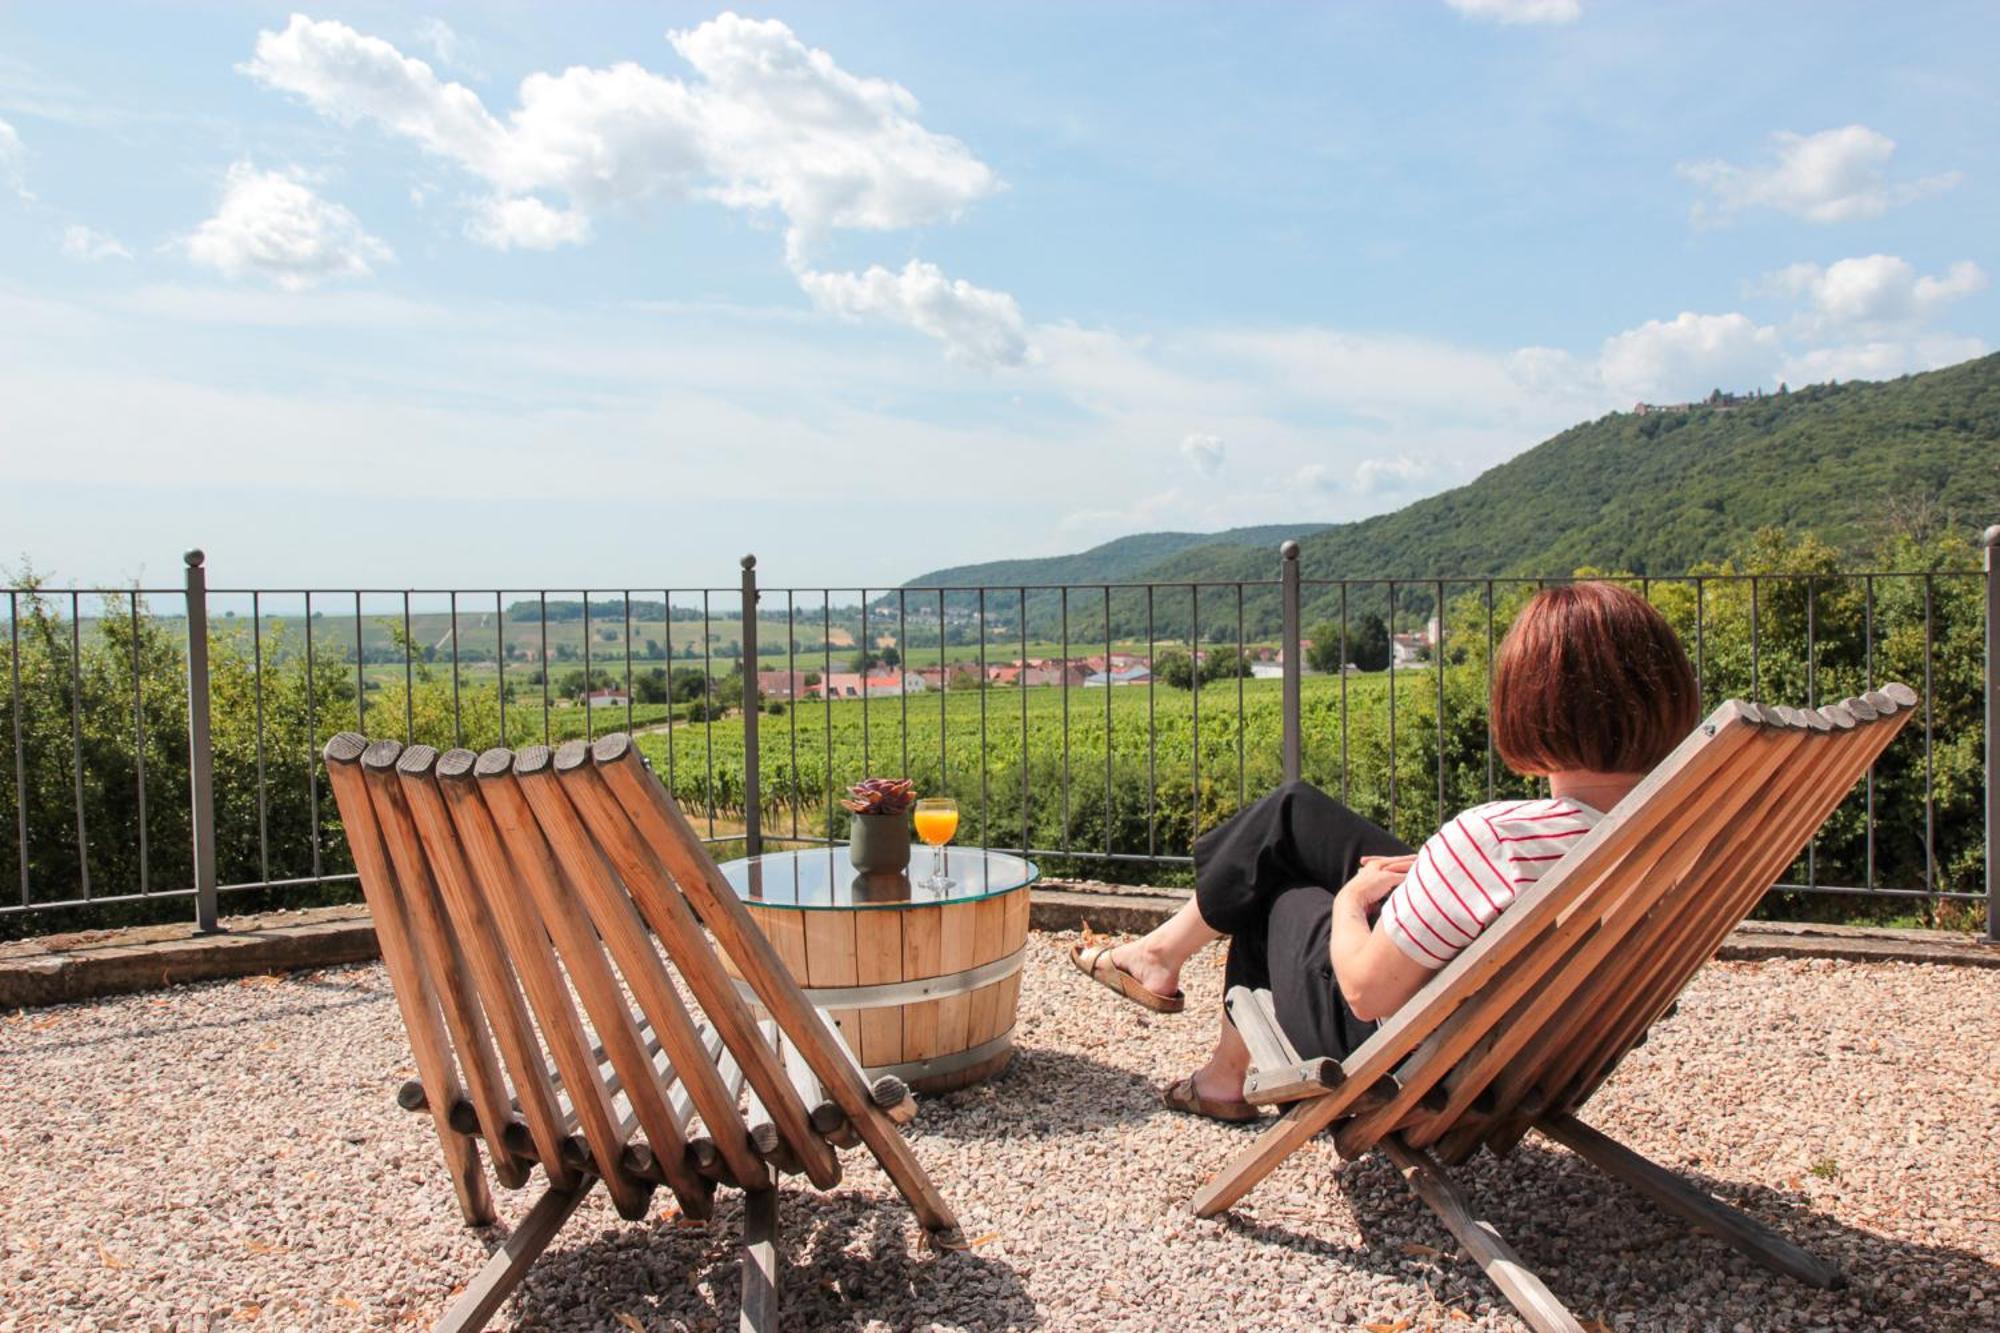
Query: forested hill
x,y
1116,561
1656,492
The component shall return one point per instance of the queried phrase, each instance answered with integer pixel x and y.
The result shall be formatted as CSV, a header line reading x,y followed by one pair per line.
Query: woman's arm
x,y
1374,975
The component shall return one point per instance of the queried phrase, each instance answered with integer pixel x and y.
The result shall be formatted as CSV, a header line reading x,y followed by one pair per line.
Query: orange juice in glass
x,y
936,820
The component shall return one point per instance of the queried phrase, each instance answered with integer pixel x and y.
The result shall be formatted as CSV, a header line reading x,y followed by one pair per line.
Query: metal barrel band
x,y
890,994
910,1071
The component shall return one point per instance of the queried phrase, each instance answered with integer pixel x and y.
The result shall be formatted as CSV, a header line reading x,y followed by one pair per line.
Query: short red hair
x,y
1591,676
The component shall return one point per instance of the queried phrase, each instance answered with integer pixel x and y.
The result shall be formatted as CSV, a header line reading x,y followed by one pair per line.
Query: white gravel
x,y
228,1155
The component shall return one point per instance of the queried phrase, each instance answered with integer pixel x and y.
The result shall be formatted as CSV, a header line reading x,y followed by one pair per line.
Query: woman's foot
x,y
1100,964
1138,960
1208,1094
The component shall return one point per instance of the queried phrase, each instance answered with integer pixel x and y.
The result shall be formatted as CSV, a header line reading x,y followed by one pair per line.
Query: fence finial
x,y
749,562
1991,537
196,559
1289,550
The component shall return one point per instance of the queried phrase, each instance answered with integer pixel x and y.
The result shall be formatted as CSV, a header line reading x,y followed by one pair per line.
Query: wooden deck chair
x,y
1522,1027
508,888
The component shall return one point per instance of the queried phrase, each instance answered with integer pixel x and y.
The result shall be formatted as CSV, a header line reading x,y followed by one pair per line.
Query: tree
x,y
1368,642
864,662
1224,664
1326,654
891,658
1174,668
690,684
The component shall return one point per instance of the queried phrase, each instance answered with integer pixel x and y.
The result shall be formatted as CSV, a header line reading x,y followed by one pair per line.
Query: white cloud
x,y
526,224
12,154
1381,476
90,244
1879,360
442,41
1681,358
1873,292
1206,453
271,224
1832,176
978,327
1520,11
770,124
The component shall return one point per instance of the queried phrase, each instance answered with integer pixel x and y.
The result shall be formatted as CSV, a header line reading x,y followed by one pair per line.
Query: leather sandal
x,y
1182,1096
1095,963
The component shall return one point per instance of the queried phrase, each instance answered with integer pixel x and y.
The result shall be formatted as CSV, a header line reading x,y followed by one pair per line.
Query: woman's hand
x,y
1372,972
1377,879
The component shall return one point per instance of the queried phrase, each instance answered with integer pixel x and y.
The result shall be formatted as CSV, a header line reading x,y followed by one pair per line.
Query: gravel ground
x,y
228,1155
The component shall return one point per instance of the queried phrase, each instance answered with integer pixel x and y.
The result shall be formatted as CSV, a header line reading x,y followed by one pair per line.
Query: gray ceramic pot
x,y
879,843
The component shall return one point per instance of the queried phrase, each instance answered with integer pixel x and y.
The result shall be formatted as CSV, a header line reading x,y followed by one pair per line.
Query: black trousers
x,y
1266,879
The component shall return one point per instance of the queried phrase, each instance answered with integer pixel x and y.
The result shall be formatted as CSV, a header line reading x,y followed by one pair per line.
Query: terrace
x,y
235,1150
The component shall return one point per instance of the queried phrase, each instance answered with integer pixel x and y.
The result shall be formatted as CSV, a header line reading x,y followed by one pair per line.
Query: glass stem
x,y
937,863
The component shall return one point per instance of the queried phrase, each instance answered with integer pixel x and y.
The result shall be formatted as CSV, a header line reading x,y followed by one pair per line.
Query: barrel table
x,y
922,982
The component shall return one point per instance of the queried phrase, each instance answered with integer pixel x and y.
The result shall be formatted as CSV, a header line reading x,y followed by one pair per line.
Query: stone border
x,y
55,969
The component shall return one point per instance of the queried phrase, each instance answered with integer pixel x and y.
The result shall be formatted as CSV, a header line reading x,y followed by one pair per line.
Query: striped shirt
x,y
1469,871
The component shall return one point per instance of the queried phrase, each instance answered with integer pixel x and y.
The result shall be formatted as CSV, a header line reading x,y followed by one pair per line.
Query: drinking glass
x,y
936,819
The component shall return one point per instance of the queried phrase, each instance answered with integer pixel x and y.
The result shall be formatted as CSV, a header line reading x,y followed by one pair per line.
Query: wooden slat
x,y
661,824
984,1014
1537,1304
625,937
1677,1196
764,1135
1256,1022
415,997
488,1291
831,961
878,958
921,958
576,943
438,953
652,889
957,924
1486,959
761,1263
492,975
499,870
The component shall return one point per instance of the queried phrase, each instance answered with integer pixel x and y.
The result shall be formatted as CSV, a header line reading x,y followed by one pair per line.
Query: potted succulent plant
x,y
878,837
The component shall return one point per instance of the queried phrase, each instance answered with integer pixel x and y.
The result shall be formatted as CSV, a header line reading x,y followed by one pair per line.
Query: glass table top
x,y
818,878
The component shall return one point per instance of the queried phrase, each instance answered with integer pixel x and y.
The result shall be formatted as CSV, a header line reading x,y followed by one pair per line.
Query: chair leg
x,y
1536,1303
1697,1207
760,1262
510,1263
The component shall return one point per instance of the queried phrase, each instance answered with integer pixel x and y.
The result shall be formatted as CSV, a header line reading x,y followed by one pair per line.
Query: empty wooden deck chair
x,y
508,889
1521,1028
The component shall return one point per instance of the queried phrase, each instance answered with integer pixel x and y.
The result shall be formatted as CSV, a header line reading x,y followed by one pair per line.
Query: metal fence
x,y
1064,760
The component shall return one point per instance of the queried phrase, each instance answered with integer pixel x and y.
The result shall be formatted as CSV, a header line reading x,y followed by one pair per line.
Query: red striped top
x,y
1470,870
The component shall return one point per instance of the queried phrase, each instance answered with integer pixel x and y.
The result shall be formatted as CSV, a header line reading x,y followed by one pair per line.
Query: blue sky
x,y
512,294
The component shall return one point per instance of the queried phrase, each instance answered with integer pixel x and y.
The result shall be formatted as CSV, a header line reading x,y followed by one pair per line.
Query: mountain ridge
x,y
1654,492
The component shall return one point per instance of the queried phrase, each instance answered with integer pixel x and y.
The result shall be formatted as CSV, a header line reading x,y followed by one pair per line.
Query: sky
x,y
534,296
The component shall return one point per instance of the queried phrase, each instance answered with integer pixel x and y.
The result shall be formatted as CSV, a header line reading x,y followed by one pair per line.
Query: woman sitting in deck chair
x,y
1591,690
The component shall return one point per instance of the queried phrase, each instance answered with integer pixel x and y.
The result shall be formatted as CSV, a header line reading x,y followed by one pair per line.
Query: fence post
x,y
1292,645
1992,543
201,746
753,811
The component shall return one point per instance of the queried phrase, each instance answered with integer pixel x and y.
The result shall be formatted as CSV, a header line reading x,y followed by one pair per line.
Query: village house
x,y
1125,675
607,698
852,685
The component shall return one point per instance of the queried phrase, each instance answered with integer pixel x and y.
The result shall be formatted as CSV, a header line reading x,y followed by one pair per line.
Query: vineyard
x,y
1109,783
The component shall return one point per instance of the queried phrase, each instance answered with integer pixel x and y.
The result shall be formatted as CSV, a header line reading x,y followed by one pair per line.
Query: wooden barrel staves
x,y
925,992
